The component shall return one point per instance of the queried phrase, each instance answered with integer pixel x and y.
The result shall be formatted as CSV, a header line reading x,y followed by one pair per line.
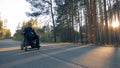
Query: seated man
x,y
31,36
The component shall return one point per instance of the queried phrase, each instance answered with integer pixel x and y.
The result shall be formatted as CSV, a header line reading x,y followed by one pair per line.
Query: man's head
x,y
29,24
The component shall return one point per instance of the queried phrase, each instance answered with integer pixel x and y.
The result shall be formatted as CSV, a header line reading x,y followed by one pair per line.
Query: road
x,y
58,55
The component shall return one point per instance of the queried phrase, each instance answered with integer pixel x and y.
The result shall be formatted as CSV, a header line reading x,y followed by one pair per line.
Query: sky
x,y
14,12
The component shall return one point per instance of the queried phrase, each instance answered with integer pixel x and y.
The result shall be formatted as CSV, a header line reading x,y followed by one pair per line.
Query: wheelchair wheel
x,y
38,47
25,47
22,46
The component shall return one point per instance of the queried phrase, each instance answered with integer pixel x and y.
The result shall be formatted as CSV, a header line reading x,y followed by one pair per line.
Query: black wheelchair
x,y
25,43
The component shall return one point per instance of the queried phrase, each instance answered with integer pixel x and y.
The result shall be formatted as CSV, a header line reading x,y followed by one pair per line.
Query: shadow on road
x,y
60,54
68,56
114,60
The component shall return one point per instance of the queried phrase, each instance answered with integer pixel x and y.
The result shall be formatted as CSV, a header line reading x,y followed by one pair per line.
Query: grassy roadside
x,y
104,45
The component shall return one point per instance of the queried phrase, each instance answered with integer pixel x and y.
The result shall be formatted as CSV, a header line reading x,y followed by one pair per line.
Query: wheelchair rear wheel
x,y
23,46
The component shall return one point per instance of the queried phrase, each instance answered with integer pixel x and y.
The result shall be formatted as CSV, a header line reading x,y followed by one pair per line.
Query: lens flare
x,y
115,24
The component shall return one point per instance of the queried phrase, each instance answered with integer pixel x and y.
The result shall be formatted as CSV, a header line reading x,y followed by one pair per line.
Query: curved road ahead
x,y
58,55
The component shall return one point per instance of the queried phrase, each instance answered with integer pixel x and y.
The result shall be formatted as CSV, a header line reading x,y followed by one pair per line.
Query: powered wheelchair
x,y
25,43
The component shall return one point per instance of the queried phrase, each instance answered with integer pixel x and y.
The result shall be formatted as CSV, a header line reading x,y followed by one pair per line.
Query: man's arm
x,y
24,31
34,32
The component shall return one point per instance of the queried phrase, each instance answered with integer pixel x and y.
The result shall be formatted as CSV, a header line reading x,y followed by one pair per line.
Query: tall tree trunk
x,y
72,23
72,31
86,29
106,22
95,20
53,21
80,27
100,25
89,34
118,17
86,14
110,15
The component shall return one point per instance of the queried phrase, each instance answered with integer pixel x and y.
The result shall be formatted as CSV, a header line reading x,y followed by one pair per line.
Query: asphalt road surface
x,y
58,55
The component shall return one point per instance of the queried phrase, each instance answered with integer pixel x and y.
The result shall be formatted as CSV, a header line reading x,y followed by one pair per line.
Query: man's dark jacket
x,y
29,32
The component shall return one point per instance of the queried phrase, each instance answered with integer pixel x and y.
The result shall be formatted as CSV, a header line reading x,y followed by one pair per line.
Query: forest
x,y
83,21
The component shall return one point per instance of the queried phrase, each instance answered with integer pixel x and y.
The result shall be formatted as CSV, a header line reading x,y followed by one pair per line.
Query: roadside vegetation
x,y
77,21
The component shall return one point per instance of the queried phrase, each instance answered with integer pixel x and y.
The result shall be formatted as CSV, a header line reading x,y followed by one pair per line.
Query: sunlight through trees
x,y
84,21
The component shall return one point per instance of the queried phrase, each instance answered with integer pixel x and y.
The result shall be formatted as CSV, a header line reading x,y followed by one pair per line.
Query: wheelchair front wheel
x,y
22,46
